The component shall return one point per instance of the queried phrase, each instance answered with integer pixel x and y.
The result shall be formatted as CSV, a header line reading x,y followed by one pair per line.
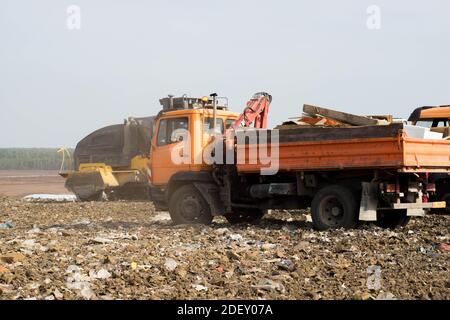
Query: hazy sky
x,y
57,85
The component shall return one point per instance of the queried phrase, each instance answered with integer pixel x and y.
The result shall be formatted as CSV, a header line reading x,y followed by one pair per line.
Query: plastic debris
x,y
51,197
269,285
200,287
101,274
170,264
286,264
6,225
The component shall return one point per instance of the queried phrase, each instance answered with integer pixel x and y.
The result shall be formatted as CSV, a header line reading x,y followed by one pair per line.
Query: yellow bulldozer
x,y
112,162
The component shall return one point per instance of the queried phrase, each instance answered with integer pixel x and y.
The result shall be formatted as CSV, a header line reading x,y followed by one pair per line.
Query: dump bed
x,y
337,148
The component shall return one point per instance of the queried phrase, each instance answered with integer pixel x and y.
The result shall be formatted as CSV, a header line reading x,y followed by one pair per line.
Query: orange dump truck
x,y
344,174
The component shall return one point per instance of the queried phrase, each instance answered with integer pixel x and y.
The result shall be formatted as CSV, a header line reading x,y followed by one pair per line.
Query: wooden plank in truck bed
x,y
338,133
311,133
340,116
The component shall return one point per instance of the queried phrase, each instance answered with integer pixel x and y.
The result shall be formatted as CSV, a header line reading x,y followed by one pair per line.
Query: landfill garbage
x,y
6,225
118,250
385,296
286,264
100,240
444,247
51,197
200,287
12,258
235,237
269,285
170,264
429,251
57,294
87,293
222,231
268,246
101,274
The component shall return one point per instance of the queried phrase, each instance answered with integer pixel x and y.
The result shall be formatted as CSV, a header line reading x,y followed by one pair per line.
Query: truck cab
x,y
435,118
183,129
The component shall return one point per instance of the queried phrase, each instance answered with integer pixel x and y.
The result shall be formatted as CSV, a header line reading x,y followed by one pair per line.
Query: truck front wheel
x,y
187,206
334,207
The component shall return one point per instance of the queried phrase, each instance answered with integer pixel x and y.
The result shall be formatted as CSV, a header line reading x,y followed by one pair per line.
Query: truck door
x,y
164,143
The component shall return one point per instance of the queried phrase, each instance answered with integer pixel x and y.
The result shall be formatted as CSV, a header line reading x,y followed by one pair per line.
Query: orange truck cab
x,y
438,120
191,122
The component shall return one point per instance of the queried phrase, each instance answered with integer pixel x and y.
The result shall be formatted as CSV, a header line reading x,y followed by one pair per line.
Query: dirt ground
x,y
19,183
126,250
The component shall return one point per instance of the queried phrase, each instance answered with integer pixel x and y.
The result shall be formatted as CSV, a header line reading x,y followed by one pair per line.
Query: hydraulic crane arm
x,y
256,112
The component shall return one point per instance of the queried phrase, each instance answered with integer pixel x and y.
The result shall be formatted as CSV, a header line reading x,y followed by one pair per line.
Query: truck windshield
x,y
167,127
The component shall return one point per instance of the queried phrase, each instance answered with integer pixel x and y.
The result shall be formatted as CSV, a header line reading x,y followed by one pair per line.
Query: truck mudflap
x,y
211,193
369,204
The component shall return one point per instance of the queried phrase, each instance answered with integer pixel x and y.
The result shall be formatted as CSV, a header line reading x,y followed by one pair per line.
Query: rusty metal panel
x,y
332,155
372,147
429,155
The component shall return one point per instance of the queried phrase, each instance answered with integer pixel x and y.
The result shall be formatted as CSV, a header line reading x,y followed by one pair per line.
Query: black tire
x,y
391,219
245,215
187,206
334,207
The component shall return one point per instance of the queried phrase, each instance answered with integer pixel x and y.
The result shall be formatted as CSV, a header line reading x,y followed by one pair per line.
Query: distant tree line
x,y
31,159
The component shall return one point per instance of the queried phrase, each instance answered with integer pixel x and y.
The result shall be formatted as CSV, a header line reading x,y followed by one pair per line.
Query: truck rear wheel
x,y
187,206
334,207
391,219
245,215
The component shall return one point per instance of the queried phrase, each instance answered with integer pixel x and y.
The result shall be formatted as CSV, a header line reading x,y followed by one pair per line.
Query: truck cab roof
x,y
430,113
184,105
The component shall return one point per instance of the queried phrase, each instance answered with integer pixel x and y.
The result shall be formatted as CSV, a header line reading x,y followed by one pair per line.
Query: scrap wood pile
x,y
319,116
